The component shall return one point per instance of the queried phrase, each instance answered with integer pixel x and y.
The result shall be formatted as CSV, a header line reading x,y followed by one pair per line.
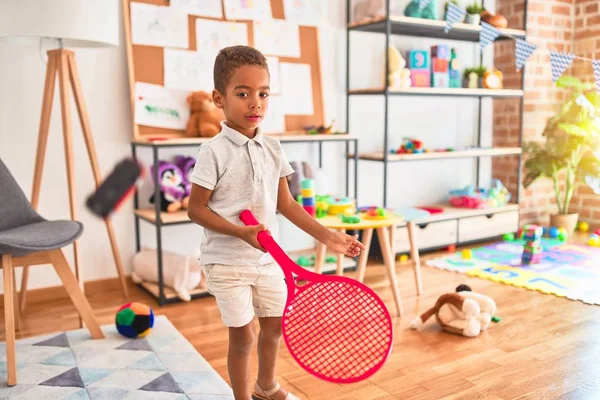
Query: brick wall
x,y
550,26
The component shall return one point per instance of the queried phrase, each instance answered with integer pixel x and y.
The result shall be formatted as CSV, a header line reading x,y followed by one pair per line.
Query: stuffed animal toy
x,y
429,12
464,313
205,116
499,21
368,9
172,189
186,165
399,77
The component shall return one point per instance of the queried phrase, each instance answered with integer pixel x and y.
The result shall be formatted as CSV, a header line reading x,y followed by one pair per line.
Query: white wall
x,y
437,121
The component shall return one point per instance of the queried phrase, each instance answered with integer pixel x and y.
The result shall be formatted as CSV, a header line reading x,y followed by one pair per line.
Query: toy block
x,y
418,60
440,80
440,51
439,65
312,210
308,192
420,78
455,81
309,201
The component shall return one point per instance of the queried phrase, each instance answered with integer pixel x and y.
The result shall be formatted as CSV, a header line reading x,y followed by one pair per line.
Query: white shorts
x,y
243,292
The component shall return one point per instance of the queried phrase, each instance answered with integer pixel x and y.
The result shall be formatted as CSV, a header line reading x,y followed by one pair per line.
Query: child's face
x,y
246,99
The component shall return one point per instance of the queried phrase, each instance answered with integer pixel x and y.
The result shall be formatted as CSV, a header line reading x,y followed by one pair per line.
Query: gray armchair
x,y
28,239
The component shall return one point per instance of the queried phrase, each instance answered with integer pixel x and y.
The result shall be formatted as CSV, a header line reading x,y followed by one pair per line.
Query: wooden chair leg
x,y
414,255
384,242
75,293
364,256
9,319
339,268
16,302
23,292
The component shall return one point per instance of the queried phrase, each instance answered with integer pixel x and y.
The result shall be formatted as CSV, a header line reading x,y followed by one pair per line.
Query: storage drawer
x,y
434,234
487,226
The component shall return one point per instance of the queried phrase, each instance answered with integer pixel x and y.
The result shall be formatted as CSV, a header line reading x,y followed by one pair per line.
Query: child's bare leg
x,y
268,347
241,341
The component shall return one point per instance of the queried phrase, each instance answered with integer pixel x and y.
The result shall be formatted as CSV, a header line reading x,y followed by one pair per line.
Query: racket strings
x,y
337,330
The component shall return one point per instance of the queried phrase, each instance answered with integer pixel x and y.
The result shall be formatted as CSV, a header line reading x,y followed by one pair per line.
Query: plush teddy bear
x,y
205,116
464,313
368,9
398,77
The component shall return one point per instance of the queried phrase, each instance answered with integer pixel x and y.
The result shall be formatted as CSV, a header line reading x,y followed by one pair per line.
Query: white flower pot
x,y
473,19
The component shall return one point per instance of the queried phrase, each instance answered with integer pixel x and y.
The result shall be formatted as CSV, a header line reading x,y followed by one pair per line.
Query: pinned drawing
x,y
303,12
212,36
158,26
189,70
248,9
277,37
160,107
273,63
200,8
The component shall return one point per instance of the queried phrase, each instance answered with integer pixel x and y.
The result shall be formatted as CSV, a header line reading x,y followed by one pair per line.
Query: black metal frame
x,y
388,27
156,146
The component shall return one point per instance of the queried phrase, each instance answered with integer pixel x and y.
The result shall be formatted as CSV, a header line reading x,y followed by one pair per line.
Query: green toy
x,y
350,219
429,12
496,319
508,237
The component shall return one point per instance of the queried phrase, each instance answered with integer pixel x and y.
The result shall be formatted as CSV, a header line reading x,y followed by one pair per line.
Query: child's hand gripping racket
x,y
335,327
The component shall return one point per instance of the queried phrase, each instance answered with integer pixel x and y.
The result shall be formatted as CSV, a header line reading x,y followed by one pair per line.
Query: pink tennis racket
x,y
335,327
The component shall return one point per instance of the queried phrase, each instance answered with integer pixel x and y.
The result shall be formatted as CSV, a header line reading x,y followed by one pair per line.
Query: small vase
x,y
473,19
567,221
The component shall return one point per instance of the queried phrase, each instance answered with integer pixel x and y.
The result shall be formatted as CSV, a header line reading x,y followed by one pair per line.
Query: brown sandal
x,y
260,394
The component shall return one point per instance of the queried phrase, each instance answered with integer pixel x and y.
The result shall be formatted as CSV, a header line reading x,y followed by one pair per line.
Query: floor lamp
x,y
69,24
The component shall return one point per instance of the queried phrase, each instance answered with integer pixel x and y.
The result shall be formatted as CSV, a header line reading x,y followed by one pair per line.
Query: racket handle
x,y
248,219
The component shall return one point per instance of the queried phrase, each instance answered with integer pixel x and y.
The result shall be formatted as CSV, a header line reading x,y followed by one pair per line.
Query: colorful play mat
x,y
565,270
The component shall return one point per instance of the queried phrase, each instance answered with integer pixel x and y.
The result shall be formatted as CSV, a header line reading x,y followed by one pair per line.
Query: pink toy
x,y
335,327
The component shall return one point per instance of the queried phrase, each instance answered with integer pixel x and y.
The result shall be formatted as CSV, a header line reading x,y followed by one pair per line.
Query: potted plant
x,y
479,71
569,154
474,13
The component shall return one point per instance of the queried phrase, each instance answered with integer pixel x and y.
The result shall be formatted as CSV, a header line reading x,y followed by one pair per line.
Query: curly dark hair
x,y
233,57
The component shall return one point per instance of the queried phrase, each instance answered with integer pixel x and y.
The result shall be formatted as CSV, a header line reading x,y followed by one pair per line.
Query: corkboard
x,y
145,64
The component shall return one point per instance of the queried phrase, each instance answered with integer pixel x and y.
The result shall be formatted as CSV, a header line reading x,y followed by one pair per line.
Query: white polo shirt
x,y
243,174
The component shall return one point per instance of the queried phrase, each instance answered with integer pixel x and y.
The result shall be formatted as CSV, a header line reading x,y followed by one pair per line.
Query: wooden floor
x,y
544,348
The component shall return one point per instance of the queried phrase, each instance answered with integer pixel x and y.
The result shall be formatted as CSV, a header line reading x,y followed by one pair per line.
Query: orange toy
x,y
205,117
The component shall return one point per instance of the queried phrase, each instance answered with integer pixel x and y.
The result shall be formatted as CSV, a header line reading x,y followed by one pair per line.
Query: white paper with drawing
x,y
158,26
274,121
248,9
277,37
201,8
212,36
275,85
189,70
304,12
161,107
296,89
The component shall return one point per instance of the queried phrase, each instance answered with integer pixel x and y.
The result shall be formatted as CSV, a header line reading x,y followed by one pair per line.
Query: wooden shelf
x,y
282,137
492,152
419,27
149,214
450,92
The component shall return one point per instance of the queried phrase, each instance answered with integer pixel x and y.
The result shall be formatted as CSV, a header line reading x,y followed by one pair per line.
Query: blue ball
x,y
554,232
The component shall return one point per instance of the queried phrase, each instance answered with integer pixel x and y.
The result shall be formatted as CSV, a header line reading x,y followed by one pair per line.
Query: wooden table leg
x,y
414,255
364,256
339,269
384,243
9,320
320,259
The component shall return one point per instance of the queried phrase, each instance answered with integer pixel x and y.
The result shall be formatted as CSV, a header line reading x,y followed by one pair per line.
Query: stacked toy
x,y
440,60
453,72
418,63
308,196
532,234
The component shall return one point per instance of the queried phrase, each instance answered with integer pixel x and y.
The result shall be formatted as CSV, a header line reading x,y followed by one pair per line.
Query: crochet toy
x,y
172,189
368,9
186,165
429,12
464,313
399,76
205,116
